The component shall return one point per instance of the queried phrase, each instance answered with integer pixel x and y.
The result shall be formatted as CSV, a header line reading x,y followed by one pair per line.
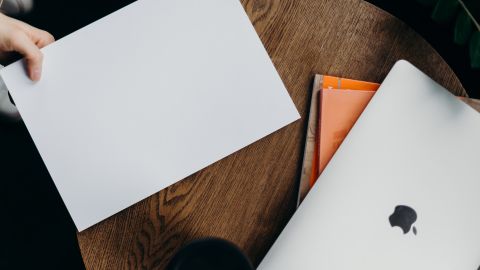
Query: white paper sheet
x,y
145,97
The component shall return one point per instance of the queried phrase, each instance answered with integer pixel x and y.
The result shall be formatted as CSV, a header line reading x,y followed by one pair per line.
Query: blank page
x,y
145,97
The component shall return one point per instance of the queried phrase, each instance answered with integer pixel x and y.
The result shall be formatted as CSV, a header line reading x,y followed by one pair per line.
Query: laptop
x,y
402,192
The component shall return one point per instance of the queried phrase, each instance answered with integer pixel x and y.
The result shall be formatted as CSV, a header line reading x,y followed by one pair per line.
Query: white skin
x,y
17,36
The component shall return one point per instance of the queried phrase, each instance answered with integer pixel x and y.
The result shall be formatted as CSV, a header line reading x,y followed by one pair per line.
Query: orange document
x,y
340,110
341,104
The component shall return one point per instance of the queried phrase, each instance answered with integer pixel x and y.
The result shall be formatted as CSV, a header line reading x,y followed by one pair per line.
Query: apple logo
x,y
404,217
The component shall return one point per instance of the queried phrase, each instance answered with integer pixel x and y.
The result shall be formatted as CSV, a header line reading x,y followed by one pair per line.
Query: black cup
x,y
210,254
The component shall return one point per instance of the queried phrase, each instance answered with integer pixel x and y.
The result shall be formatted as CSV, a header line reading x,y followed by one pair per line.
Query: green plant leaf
x,y
475,50
445,11
428,3
463,28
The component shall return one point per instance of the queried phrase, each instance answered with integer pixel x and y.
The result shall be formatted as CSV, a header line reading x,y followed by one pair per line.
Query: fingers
x,y
27,40
40,37
33,56
43,38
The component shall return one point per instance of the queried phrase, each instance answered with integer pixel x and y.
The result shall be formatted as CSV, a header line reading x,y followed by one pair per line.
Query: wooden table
x,y
248,197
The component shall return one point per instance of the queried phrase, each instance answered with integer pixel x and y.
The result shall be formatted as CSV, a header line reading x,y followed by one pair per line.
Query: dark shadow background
x,y
439,36
36,231
61,17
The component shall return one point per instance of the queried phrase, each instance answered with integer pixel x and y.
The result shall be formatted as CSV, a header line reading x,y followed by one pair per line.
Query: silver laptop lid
x,y
411,161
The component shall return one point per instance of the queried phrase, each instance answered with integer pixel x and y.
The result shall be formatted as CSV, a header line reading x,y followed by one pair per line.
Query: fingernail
x,y
36,74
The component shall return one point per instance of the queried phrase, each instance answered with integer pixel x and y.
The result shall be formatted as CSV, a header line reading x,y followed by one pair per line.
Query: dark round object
x,y
210,254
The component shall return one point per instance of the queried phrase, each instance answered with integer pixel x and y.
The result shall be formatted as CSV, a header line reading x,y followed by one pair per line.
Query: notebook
x,y
328,125
339,111
146,97
400,193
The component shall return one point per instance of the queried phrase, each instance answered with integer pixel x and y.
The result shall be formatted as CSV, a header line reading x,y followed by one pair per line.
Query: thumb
x,y
33,56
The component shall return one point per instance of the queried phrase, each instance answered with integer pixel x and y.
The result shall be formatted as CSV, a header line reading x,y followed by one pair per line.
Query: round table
x,y
249,196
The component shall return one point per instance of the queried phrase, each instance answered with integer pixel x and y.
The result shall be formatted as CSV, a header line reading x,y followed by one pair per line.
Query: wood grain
x,y
249,196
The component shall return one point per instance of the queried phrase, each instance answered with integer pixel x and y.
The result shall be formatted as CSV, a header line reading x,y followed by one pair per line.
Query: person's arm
x,y
17,36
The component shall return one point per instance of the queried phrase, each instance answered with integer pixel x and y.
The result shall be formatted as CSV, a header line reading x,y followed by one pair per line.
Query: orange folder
x,y
341,104
340,110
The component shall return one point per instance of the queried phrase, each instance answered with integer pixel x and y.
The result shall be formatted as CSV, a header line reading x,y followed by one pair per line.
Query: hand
x,y
17,36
